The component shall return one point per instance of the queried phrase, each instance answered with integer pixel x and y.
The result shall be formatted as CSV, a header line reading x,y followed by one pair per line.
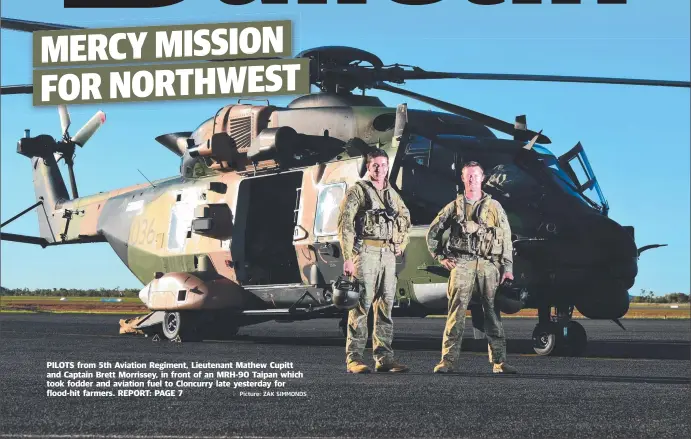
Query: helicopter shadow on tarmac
x,y
611,349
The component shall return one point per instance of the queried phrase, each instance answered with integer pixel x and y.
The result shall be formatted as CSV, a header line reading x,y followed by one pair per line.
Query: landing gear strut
x,y
557,333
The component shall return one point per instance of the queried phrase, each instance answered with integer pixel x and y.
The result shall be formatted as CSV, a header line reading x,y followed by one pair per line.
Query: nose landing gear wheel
x,y
567,338
545,338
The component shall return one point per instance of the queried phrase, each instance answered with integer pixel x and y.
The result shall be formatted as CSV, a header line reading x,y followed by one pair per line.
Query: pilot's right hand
x,y
448,264
348,267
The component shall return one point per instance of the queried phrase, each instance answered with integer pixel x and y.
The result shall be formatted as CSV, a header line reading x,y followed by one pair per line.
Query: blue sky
x,y
637,138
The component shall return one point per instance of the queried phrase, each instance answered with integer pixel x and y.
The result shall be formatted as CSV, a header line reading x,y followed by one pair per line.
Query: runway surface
x,y
632,383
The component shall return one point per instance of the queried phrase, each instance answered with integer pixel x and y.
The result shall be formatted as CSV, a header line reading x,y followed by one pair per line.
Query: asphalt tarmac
x,y
632,383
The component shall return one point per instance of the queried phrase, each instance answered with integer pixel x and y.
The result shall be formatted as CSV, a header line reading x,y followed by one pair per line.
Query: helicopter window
x,y
326,220
565,181
579,170
181,216
418,150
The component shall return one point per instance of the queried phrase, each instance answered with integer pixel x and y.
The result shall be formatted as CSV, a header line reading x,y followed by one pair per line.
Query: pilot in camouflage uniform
x,y
373,228
479,254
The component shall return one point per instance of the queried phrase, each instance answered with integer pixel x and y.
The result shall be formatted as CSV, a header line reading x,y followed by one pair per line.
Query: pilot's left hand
x,y
507,275
397,250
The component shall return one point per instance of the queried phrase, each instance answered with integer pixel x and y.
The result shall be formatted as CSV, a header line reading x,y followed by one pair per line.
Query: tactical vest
x,y
379,219
474,236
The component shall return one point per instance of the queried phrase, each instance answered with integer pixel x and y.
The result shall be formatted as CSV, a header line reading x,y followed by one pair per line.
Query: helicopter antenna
x,y
146,178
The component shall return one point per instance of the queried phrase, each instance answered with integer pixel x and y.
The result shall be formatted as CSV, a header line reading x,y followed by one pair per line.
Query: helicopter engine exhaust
x,y
273,143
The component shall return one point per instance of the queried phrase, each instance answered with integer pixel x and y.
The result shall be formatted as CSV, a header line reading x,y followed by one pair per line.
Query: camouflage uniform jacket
x,y
353,208
493,216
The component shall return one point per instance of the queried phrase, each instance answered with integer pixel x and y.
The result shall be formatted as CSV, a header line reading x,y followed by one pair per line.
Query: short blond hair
x,y
472,164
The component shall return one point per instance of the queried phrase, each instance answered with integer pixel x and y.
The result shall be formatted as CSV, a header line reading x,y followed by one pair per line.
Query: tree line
x,y
70,292
648,296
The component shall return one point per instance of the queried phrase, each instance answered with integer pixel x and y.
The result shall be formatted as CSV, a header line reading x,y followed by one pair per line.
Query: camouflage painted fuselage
x,y
196,240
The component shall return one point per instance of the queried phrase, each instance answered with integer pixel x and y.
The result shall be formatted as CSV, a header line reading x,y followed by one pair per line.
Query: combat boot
x,y
503,368
392,366
357,367
443,367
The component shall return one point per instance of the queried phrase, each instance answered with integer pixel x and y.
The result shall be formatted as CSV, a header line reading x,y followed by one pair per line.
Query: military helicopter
x,y
247,231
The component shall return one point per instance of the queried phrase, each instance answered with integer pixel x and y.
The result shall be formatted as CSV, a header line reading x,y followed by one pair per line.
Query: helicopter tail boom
x,y
61,220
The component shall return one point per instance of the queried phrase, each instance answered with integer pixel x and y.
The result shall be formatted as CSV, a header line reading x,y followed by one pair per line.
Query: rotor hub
x,y
327,60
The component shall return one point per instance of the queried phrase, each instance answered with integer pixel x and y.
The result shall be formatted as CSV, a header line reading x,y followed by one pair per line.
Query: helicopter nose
x,y
144,295
621,254
624,272
615,266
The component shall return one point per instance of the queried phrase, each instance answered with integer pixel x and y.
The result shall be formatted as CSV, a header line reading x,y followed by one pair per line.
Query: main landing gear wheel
x,y
180,326
575,338
560,335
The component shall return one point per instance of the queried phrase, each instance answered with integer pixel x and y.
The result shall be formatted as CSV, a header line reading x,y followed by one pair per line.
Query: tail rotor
x,y
65,148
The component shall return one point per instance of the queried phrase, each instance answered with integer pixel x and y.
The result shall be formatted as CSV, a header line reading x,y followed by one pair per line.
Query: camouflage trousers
x,y
376,268
481,277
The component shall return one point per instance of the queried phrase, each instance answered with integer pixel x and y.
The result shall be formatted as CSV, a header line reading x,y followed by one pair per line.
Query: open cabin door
x,y
266,209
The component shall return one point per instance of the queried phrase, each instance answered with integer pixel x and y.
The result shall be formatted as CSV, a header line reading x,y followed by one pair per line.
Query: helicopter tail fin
x,y
50,188
55,208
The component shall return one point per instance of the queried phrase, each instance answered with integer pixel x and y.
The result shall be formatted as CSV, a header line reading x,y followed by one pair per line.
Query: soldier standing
x,y
373,229
479,254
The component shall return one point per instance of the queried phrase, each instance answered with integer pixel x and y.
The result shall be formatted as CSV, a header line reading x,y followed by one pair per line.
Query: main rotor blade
x,y
31,26
16,89
89,128
489,121
422,74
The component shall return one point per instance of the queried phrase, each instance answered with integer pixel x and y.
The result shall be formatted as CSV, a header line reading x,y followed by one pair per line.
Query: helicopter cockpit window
x,y
565,179
196,168
577,166
328,202
579,169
